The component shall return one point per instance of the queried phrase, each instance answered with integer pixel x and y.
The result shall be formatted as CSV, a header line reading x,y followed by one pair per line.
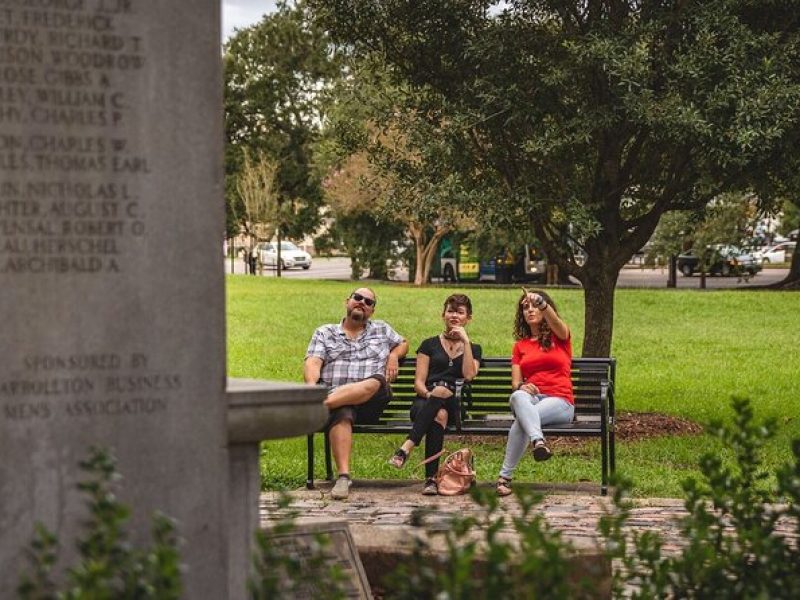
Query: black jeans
x,y
423,414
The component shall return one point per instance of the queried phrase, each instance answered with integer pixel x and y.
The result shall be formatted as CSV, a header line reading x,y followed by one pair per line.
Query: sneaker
x,y
430,488
541,452
341,489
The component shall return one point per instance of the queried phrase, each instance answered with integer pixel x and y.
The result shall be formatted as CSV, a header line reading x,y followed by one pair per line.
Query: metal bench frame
x,y
484,409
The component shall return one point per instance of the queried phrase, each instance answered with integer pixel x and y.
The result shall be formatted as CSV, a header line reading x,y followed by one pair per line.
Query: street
x,y
630,277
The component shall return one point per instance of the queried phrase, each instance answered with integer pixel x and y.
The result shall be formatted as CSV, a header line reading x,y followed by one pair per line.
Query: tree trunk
x,y
425,252
792,280
598,294
278,265
672,277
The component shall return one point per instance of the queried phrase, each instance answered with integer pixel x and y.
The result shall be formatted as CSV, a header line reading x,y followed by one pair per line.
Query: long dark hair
x,y
523,331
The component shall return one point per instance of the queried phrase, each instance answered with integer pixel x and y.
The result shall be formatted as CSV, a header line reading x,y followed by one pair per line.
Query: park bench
x,y
484,408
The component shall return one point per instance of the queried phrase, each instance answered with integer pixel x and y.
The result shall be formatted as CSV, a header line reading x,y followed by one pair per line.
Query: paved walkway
x,y
573,510
381,514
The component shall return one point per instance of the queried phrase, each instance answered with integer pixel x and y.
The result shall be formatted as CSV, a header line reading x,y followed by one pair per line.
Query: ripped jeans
x,y
531,412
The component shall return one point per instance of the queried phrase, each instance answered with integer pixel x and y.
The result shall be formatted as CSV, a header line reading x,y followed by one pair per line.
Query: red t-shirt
x,y
549,371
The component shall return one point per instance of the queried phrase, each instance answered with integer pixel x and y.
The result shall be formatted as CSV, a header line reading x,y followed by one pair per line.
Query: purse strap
x,y
431,458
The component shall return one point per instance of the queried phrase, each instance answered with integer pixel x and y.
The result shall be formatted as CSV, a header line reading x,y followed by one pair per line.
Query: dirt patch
x,y
630,427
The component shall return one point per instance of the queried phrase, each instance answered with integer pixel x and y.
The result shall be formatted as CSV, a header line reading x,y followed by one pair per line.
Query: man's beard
x,y
358,317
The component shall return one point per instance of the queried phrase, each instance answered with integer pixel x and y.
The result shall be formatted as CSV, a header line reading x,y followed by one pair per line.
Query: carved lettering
x,y
69,202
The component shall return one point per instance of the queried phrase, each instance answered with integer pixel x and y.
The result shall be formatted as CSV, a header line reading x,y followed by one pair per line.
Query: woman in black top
x,y
441,360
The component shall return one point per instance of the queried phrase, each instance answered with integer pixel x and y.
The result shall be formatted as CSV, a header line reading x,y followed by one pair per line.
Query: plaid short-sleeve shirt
x,y
345,360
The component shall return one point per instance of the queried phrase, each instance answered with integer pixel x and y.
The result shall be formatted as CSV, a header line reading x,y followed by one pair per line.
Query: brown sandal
x,y
503,487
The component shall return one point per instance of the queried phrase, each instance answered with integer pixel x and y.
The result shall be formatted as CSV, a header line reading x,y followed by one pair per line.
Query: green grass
x,y
680,352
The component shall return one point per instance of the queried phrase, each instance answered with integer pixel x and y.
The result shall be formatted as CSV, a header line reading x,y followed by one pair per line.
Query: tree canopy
x,y
277,73
392,162
596,117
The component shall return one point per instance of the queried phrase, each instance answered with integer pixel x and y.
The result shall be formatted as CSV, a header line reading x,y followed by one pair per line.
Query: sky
x,y
241,13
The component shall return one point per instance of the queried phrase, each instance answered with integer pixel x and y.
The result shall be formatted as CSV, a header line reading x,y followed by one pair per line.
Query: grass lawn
x,y
681,352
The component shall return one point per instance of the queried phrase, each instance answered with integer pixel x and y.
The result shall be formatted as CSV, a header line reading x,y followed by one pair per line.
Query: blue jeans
x,y
531,412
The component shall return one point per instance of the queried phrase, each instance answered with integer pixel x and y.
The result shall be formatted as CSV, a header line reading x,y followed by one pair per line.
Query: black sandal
x,y
399,458
503,487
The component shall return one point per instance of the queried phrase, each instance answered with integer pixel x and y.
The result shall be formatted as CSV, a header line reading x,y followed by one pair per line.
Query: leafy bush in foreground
x,y
733,549
108,566
535,563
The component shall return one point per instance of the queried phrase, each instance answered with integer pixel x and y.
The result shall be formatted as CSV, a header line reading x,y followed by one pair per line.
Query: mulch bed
x,y
631,427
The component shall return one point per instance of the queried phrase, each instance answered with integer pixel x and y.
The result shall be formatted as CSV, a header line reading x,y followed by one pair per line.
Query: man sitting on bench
x,y
356,359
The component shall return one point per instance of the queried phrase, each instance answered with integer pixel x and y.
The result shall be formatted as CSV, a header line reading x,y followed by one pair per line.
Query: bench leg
x,y
612,454
310,471
604,451
604,482
328,465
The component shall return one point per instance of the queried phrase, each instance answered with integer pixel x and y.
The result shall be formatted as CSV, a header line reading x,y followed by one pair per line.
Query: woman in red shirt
x,y
540,377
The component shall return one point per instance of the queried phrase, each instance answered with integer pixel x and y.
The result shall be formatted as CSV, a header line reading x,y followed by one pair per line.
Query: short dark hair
x,y
456,300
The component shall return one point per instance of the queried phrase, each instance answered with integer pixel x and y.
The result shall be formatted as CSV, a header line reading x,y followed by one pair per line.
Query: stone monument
x,y
111,226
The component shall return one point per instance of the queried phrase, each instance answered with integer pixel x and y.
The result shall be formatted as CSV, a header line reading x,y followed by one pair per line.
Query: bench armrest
x,y
607,401
463,399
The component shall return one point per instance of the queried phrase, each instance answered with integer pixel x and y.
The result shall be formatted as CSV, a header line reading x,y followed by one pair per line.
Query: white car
x,y
291,255
778,253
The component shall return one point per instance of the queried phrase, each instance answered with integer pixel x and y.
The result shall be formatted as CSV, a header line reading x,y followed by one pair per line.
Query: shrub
x,y
732,547
478,562
107,566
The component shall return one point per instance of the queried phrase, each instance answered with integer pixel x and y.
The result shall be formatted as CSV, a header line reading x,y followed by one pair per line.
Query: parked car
x,y
726,261
291,255
776,254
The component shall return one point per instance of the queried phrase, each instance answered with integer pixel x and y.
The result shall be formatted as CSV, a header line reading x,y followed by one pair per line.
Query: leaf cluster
x,y
108,566
480,560
277,77
723,221
733,549
596,118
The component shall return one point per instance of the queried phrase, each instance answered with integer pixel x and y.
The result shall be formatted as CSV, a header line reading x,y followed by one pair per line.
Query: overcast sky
x,y
241,13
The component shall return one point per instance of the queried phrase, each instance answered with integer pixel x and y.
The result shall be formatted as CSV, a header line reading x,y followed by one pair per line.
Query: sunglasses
x,y
364,299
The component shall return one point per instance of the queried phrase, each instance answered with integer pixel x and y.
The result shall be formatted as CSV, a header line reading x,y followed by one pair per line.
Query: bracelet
x,y
543,306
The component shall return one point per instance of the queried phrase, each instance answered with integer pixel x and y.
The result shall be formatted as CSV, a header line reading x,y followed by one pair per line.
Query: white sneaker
x,y
341,488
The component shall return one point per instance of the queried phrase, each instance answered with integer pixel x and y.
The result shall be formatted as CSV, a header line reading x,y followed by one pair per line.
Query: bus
x,y
462,263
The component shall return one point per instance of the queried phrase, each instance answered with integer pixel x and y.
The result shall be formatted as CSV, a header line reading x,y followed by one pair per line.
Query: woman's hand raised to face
x,y
457,332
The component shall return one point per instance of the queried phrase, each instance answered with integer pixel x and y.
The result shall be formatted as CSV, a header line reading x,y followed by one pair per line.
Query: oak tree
x,y
596,117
